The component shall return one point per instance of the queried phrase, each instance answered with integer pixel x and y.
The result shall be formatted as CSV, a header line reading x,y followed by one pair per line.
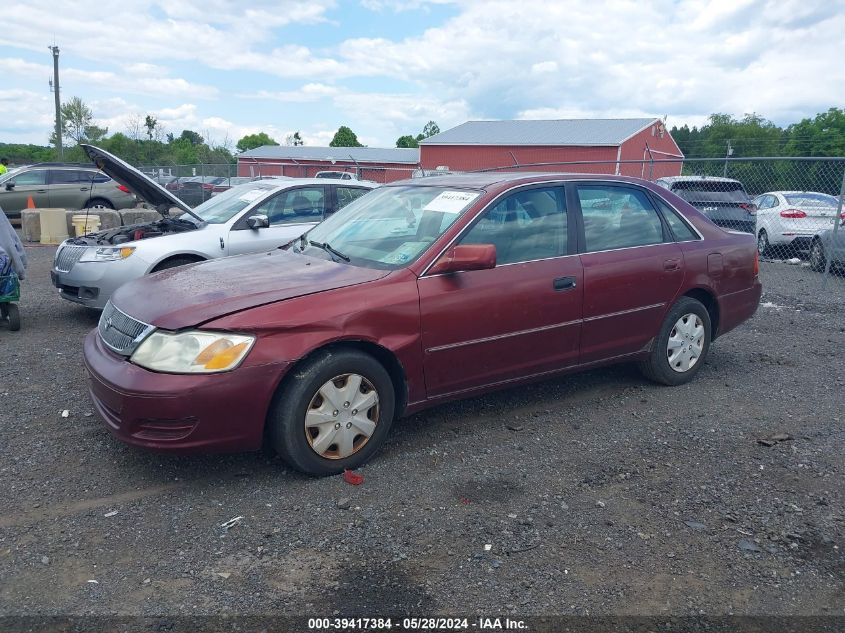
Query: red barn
x,y
484,144
304,161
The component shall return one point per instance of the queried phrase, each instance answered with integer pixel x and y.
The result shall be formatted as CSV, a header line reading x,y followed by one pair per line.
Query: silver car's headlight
x,y
107,253
194,352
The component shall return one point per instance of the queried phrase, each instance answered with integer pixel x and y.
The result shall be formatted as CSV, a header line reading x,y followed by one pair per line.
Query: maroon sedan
x,y
417,293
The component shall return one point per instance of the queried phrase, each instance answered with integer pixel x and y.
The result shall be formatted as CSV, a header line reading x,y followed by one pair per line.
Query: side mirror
x,y
465,257
259,221
10,186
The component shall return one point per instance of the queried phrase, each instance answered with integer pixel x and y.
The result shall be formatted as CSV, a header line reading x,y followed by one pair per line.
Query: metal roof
x,y
353,154
584,132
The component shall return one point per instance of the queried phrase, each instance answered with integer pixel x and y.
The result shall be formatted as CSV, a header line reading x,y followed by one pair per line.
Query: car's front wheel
x,y
681,346
334,412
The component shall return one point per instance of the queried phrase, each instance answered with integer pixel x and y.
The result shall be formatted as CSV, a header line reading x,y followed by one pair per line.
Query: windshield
x,y
811,200
223,207
713,191
390,227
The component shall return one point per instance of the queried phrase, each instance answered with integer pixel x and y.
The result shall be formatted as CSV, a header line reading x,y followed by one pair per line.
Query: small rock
x,y
45,560
514,427
748,546
110,514
344,502
487,547
695,525
65,413
224,574
781,437
767,443
146,581
600,504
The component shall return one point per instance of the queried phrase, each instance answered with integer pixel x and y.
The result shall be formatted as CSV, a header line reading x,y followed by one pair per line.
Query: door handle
x,y
672,264
564,283
40,191
83,188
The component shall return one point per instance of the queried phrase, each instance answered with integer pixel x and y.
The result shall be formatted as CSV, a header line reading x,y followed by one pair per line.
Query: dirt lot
x,y
598,493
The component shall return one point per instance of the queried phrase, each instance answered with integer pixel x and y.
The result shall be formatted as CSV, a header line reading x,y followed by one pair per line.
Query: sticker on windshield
x,y
251,195
451,201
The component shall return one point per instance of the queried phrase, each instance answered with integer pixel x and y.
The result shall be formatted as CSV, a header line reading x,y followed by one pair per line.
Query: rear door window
x,y
617,217
345,195
680,229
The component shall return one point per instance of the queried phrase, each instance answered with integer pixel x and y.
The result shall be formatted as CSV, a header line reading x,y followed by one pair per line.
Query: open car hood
x,y
145,188
190,295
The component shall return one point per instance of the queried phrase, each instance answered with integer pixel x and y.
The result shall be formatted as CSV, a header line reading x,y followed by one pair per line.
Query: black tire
x,y
4,310
818,261
14,317
657,366
763,246
286,421
175,262
99,202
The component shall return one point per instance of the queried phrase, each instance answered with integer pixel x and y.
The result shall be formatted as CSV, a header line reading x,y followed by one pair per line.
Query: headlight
x,y
196,352
107,254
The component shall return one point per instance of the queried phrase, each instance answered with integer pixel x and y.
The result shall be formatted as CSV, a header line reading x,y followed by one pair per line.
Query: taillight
x,y
124,188
750,207
793,213
756,263
842,216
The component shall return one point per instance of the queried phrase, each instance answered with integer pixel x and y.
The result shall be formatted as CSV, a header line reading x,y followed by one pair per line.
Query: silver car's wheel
x,y
686,343
818,261
342,416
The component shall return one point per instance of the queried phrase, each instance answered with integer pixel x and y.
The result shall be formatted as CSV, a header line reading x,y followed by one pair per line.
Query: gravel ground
x,y
597,493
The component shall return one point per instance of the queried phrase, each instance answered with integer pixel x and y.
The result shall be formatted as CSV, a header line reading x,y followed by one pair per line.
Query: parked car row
x,y
368,303
785,223
61,185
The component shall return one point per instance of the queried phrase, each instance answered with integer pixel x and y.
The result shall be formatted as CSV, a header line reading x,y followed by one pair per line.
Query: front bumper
x,y
209,413
92,283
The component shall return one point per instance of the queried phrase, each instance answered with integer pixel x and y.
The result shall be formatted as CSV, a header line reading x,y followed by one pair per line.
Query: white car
x,y
788,220
249,218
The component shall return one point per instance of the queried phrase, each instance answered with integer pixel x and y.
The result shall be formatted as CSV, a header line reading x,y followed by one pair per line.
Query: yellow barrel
x,y
84,224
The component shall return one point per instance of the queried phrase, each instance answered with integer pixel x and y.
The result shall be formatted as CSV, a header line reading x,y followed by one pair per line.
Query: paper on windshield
x,y
451,201
251,195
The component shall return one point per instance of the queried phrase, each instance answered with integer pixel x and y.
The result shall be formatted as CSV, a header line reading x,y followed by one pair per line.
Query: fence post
x,y
837,220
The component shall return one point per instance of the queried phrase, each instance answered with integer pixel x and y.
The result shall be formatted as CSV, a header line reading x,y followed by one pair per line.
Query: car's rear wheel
x,y
763,245
818,261
681,346
334,413
99,203
10,311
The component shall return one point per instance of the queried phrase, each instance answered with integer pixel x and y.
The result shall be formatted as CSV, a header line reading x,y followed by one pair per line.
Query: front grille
x,y
120,332
67,257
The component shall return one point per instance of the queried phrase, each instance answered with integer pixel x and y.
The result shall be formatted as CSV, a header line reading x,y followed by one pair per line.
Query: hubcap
x,y
762,243
686,342
342,416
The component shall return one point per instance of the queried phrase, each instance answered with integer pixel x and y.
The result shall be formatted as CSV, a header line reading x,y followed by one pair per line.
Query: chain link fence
x,y
793,206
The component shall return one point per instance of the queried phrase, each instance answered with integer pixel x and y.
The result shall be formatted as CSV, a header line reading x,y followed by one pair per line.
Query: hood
x,y
190,295
143,187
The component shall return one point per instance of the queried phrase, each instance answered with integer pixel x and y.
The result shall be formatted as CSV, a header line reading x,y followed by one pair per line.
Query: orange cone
x,y
30,204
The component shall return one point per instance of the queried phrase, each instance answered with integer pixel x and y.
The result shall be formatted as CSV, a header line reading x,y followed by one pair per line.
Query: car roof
x,y
287,183
482,180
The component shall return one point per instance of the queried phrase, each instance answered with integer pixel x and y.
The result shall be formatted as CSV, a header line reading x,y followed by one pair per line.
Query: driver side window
x,y
297,206
525,226
34,177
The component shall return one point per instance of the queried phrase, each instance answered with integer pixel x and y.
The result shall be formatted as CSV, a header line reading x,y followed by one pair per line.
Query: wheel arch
x,y
708,299
194,257
384,356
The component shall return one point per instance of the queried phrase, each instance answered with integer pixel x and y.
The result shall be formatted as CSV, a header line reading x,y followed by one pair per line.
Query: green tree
x,y
151,124
294,139
430,129
192,137
407,141
251,141
345,137
823,135
78,123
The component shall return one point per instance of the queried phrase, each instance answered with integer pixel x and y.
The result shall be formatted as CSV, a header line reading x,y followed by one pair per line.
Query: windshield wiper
x,y
328,248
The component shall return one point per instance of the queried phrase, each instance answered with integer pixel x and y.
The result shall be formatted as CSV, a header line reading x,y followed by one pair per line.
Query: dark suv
x,y
61,185
723,200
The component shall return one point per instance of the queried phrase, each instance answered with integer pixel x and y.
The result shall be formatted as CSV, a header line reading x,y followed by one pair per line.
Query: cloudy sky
x,y
385,67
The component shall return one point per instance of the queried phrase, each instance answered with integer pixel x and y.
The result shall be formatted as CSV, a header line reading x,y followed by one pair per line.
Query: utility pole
x,y
59,149
728,153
